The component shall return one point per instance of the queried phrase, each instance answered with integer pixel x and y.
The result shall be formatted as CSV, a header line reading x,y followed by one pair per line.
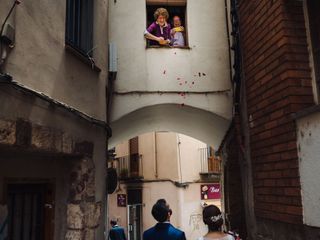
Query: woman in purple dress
x,y
159,31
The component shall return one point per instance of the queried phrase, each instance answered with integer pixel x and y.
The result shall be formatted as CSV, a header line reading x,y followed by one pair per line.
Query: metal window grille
x,y
79,25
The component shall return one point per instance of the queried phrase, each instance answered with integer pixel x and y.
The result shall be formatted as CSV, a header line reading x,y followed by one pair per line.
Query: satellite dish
x,y
112,180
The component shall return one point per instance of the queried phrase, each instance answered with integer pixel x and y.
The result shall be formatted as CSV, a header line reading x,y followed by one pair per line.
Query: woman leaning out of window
x,y
159,32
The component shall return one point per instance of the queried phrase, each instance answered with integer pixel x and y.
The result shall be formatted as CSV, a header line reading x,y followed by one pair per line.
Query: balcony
x,y
128,167
210,165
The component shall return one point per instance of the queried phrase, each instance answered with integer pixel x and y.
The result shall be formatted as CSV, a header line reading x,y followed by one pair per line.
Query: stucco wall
x,y
167,155
175,70
189,155
308,132
39,59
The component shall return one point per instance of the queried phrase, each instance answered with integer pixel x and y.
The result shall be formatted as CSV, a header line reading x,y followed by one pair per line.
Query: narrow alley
x,y
159,119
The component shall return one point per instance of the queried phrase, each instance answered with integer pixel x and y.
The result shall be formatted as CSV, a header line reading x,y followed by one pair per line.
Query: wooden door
x,y
30,212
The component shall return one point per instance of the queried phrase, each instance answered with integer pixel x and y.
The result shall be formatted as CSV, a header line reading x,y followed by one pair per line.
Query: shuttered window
x,y
134,145
79,25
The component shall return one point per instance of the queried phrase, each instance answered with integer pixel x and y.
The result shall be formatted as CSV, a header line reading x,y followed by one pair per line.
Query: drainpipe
x,y
240,103
179,158
7,33
155,155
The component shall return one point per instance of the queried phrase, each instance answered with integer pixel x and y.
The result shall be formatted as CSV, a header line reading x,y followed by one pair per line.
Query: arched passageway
x,y
200,124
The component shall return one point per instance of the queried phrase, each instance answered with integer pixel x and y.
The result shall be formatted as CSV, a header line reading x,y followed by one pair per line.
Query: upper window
x,y
314,27
166,23
79,26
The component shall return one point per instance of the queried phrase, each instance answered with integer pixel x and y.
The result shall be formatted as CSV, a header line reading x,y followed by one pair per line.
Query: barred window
x,y
79,26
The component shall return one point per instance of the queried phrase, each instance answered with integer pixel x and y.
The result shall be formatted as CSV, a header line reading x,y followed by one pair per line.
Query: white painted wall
x,y
309,152
141,69
189,155
167,155
194,122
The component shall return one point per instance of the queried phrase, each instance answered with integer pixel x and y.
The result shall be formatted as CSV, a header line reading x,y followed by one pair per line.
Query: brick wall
x,y
234,200
278,83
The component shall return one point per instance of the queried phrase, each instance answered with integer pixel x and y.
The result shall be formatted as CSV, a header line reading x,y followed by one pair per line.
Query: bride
x,y
213,218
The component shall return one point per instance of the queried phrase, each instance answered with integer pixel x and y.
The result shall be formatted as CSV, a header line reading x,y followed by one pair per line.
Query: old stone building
x,y
53,130
271,145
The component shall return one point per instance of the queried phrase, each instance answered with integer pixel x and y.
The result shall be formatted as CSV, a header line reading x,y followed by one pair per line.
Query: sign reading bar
x,y
122,200
210,191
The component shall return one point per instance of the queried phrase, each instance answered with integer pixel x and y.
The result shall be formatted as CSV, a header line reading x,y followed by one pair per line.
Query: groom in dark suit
x,y
163,230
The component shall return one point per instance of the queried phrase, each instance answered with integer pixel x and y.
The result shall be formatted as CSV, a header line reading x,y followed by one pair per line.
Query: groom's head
x,y
161,211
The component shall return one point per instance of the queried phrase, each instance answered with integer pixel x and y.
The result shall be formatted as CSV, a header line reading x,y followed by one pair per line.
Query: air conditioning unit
x,y
113,58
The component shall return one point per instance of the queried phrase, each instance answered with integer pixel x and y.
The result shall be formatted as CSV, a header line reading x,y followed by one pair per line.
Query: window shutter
x,y
134,145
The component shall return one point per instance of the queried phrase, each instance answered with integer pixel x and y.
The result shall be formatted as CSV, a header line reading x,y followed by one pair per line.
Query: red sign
x,y
122,200
210,191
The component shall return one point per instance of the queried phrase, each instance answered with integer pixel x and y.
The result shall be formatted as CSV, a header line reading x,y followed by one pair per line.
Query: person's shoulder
x,y
148,231
176,231
153,24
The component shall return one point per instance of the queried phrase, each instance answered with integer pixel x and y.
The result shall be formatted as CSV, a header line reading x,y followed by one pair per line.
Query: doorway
x,y
30,211
135,214
135,222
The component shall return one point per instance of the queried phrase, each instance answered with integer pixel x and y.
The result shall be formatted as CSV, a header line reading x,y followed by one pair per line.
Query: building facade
x,y
186,89
53,130
166,165
273,136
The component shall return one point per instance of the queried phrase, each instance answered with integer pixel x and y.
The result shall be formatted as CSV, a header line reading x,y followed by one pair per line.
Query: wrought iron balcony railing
x,y
128,167
208,162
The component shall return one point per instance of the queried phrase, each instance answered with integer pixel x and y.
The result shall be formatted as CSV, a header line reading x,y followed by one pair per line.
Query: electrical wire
x,y
3,25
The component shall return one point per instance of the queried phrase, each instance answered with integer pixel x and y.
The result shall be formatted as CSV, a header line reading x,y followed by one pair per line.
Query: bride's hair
x,y
212,217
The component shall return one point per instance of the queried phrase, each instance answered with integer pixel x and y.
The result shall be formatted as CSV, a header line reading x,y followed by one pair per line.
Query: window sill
x,y
169,47
81,57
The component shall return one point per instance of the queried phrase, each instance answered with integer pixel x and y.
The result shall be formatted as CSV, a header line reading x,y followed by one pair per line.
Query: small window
x,y
79,26
175,8
314,27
